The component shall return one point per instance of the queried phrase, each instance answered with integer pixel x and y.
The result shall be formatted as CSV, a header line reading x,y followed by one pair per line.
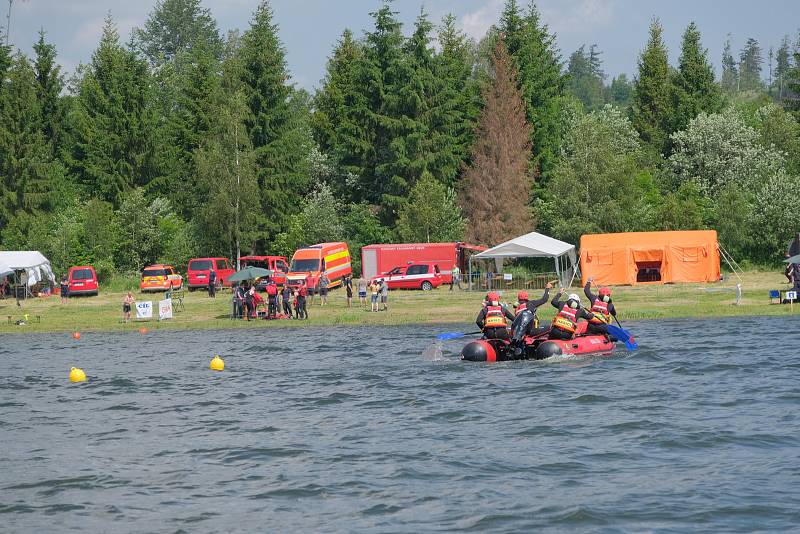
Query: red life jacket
x,y
566,319
272,290
522,306
495,318
600,311
302,292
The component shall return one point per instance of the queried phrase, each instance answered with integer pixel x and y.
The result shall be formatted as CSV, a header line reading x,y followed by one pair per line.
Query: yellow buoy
x,y
217,363
77,375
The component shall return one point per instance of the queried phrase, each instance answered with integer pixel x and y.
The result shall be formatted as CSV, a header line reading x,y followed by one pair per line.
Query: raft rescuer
x,y
566,320
493,318
602,309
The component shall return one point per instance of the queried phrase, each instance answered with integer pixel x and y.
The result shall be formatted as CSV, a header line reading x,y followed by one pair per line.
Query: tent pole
x,y
470,272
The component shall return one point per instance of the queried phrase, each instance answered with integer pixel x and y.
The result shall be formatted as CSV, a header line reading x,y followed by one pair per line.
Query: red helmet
x,y
522,295
492,296
605,291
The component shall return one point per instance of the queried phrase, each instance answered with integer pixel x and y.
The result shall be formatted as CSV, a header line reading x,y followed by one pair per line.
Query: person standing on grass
x,y
324,282
384,294
362,291
302,305
127,303
455,277
64,289
374,290
348,287
286,296
212,283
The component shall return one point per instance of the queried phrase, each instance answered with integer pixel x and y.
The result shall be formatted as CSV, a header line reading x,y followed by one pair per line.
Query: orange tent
x,y
650,257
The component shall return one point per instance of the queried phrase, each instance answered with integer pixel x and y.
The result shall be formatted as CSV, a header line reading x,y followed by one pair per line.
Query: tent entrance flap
x,y
649,263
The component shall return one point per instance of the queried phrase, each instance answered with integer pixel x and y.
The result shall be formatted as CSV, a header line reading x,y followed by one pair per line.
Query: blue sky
x,y
309,28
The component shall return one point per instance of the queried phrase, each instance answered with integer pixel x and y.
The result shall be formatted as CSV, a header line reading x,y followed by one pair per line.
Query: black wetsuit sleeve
x,y
588,292
611,309
555,302
508,314
481,320
533,304
583,314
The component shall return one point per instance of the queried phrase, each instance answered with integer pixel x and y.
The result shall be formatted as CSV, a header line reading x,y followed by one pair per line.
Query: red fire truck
x,y
379,259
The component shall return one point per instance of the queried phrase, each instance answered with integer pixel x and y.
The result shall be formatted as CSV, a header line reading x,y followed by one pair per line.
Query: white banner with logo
x,y
144,310
164,309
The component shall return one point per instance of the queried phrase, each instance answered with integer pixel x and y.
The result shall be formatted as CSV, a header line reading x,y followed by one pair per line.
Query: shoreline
x,y
635,303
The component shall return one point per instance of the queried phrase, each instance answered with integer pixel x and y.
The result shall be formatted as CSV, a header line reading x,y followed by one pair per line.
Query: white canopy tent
x,y
33,264
535,245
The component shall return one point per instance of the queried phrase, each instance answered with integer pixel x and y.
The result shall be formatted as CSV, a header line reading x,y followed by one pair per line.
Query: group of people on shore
x,y
495,318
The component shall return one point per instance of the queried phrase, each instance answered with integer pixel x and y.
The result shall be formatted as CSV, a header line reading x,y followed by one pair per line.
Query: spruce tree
x,y
50,84
538,62
585,77
650,110
112,122
173,27
496,186
694,90
273,123
730,72
750,66
455,102
783,64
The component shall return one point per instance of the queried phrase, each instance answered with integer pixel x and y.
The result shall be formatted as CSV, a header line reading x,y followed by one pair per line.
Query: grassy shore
x,y
104,312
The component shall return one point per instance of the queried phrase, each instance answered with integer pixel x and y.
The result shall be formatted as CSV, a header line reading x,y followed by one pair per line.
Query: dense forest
x,y
186,142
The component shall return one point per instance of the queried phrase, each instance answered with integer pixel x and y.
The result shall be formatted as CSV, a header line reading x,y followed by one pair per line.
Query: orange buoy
x,y
143,330
76,335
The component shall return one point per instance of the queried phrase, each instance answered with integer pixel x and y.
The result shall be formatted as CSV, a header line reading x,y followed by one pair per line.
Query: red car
x,y
82,280
424,275
276,264
199,268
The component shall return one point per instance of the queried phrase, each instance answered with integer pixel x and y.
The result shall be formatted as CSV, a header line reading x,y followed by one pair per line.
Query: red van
x,y
82,280
198,269
276,264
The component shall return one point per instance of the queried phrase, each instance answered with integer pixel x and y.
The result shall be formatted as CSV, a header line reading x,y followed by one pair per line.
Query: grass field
x,y
104,312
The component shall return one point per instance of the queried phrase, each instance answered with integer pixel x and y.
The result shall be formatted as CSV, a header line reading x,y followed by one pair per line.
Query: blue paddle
x,y
455,335
623,335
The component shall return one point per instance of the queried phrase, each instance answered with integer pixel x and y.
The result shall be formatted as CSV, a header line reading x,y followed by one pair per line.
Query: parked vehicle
x,y
424,275
310,262
197,272
277,264
82,280
159,277
376,259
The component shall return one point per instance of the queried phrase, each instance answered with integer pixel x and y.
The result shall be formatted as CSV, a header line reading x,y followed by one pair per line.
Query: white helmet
x,y
574,298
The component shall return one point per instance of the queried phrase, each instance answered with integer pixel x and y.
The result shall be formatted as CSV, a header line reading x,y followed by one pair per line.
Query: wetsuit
x,y
272,299
286,295
302,311
494,332
557,331
532,306
599,325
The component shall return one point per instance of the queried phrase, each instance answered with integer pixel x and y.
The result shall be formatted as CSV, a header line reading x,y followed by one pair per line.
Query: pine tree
x,y
730,72
650,110
750,66
694,90
173,28
188,121
112,123
33,180
585,77
620,91
538,63
274,125
496,186
782,66
50,84
431,213
455,102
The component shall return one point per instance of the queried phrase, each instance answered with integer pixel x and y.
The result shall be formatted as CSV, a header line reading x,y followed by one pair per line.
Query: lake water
x,y
363,429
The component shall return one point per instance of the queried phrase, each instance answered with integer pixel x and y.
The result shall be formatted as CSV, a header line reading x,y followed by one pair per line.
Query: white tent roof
x,y
33,262
5,269
532,245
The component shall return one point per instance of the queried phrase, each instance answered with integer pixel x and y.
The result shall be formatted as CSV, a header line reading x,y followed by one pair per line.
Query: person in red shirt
x,y
272,299
302,293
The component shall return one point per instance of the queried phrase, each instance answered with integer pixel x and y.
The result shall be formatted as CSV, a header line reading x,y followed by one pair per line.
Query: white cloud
x,y
580,15
477,23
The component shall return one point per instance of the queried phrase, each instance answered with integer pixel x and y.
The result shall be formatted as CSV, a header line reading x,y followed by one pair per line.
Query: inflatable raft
x,y
536,348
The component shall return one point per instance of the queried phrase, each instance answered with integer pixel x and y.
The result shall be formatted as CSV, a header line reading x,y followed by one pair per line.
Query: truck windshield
x,y
305,266
199,265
